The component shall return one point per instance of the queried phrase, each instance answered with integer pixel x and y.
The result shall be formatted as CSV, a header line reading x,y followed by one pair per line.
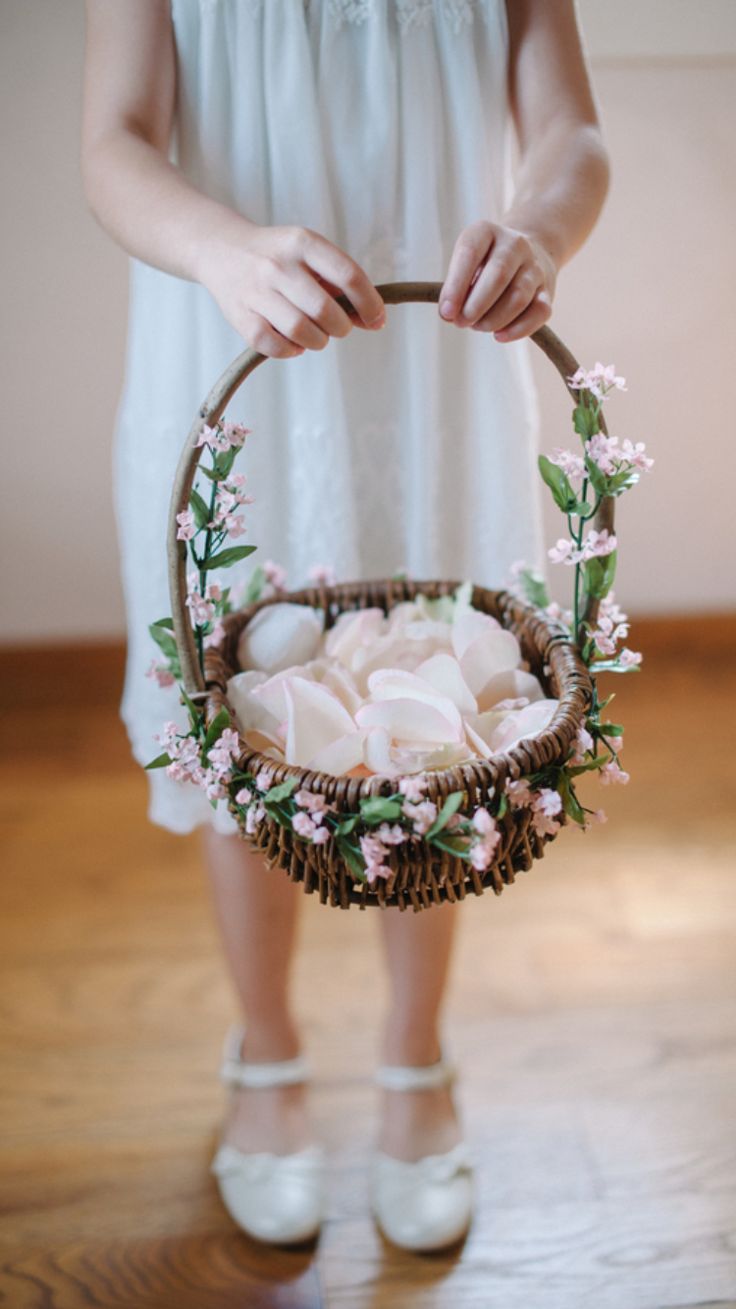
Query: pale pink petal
x,y
271,694
279,636
340,756
443,672
521,723
315,719
490,653
351,631
377,752
399,684
411,720
509,685
469,624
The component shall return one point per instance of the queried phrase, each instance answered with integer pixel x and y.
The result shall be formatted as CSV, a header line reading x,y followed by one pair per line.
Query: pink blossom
x,y
519,793
320,835
629,658
234,524
264,779
563,552
254,816
161,673
572,465
322,575
422,815
221,754
209,436
275,574
583,744
315,804
483,822
636,455
481,856
303,824
391,835
187,525
544,824
603,451
598,543
548,802
558,614
244,795
598,380
413,787
612,772
202,611
235,433
374,852
216,635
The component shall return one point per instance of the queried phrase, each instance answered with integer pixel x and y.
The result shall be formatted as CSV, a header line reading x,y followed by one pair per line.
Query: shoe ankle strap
x,y
235,1071
415,1077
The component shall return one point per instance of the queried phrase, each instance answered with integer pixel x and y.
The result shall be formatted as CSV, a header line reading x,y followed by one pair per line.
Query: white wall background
x,y
653,291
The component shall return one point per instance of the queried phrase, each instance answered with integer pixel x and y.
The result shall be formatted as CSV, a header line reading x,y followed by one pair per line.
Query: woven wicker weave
x,y
422,875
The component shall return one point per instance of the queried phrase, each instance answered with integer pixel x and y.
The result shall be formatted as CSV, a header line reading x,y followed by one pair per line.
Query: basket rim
x,y
559,651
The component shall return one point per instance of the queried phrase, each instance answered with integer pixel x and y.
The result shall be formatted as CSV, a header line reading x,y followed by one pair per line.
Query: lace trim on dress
x,y
409,13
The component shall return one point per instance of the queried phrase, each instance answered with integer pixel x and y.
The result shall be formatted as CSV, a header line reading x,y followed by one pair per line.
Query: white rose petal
x,y
410,720
520,723
491,652
469,624
315,719
509,685
279,636
352,630
444,673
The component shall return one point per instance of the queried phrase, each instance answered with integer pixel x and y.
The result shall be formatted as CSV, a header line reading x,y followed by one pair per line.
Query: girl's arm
x,y
275,285
501,276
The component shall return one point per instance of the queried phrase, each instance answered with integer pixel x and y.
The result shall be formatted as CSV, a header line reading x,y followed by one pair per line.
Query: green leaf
x,y
160,761
450,807
598,574
347,825
164,640
281,792
255,586
352,857
225,558
457,845
502,806
570,802
562,492
165,622
585,421
380,809
216,729
224,460
534,588
199,508
590,767
610,729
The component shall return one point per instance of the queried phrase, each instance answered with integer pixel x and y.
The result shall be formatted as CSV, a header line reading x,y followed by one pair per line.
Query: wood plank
x,y
591,1010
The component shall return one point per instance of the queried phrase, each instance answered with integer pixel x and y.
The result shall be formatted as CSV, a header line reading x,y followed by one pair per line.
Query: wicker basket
x,y
421,876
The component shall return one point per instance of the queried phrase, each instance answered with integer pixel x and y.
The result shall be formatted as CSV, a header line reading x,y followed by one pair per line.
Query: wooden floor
x,y
592,1009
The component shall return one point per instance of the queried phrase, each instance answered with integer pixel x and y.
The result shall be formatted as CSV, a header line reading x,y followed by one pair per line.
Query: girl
x,y
258,158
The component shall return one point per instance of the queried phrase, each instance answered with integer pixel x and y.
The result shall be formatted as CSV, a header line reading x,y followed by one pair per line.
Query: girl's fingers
x,y
342,272
313,298
262,336
512,302
291,321
471,249
537,314
508,257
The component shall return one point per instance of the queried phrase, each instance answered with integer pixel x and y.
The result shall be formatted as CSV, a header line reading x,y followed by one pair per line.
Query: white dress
x,y
381,124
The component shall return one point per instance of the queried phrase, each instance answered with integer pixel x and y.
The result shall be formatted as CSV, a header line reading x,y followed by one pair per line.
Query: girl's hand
x,y
499,280
276,287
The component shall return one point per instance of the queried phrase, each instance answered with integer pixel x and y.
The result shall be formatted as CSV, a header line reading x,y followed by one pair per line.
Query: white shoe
x,y
428,1204
272,1197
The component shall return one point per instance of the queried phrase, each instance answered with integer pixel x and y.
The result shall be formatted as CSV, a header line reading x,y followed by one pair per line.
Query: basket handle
x,y
214,406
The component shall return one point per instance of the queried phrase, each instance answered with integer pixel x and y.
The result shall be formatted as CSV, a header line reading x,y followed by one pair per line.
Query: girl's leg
x,y
418,949
257,914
